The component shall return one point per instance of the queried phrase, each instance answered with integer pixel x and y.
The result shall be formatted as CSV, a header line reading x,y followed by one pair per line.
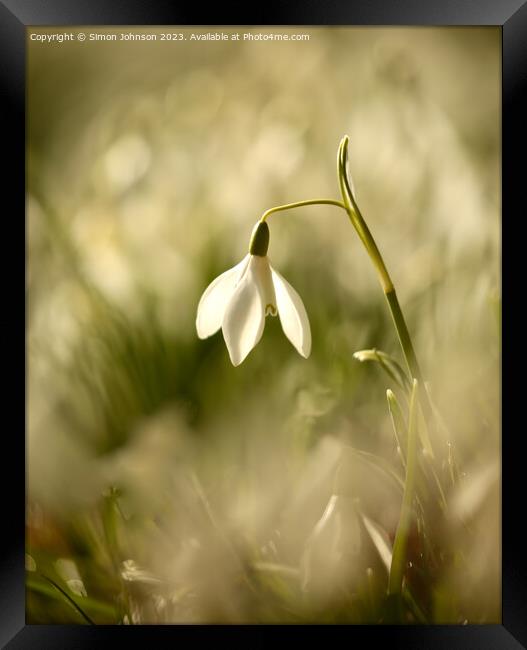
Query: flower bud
x,y
259,239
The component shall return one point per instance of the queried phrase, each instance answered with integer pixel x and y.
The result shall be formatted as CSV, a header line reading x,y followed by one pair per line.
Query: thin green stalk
x,y
69,599
357,219
300,204
404,335
399,425
352,209
405,520
50,590
408,351
366,237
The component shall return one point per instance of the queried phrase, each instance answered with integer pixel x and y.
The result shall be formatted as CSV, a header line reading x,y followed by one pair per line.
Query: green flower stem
x,y
357,219
409,355
41,584
352,209
69,599
300,204
366,237
404,335
405,520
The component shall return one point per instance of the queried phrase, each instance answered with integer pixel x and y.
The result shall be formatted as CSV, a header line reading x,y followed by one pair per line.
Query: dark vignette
x,y
512,14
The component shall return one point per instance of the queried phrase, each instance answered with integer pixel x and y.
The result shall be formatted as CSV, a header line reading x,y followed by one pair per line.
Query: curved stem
x,y
357,219
366,237
300,204
352,209
68,599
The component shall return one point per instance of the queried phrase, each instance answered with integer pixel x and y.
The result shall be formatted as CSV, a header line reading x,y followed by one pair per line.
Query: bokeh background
x,y
165,485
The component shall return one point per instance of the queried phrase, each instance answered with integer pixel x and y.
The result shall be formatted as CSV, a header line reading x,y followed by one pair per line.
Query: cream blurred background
x,y
174,487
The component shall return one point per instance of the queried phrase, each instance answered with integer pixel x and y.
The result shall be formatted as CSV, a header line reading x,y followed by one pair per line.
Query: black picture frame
x,y
511,15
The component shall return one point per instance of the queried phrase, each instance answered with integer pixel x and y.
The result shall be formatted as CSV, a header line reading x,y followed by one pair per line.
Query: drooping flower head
x,y
239,300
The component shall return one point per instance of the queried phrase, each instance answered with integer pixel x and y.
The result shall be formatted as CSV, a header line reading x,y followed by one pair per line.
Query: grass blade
x,y
399,425
405,519
392,368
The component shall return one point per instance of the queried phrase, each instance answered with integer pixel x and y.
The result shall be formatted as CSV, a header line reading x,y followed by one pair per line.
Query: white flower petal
x,y
244,319
215,299
293,315
261,268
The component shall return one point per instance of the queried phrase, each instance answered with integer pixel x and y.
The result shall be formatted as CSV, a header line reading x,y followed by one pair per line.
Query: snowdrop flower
x,y
239,300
